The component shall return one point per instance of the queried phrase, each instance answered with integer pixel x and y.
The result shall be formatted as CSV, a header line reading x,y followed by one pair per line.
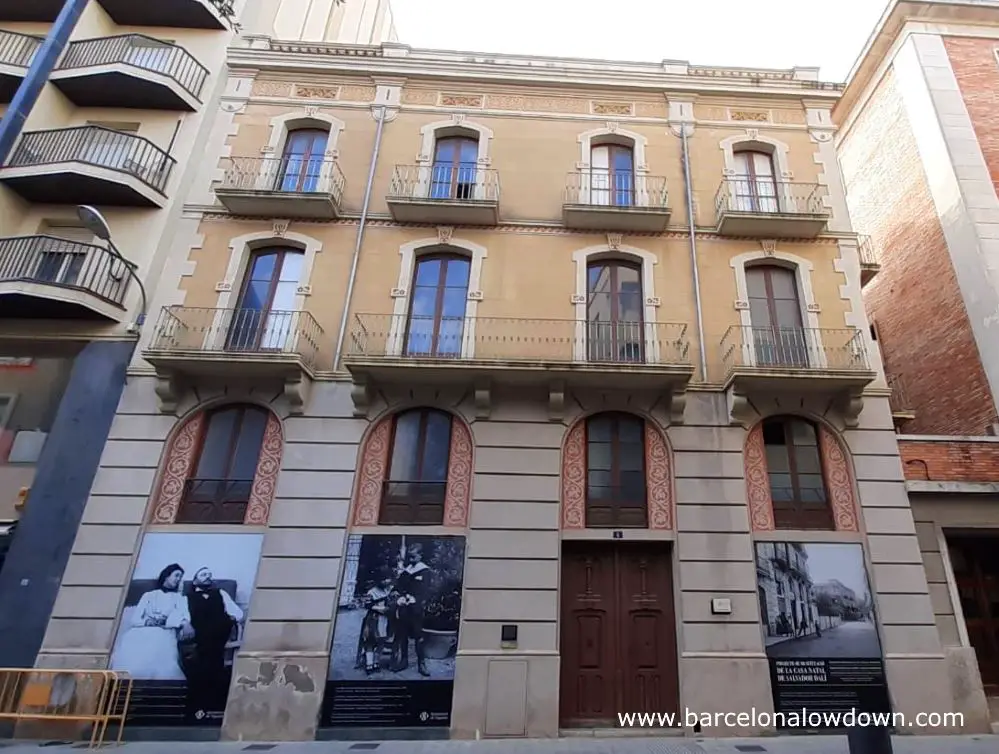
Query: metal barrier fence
x,y
88,698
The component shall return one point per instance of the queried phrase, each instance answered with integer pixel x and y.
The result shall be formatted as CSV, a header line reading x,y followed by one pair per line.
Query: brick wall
x,y
940,461
977,71
914,302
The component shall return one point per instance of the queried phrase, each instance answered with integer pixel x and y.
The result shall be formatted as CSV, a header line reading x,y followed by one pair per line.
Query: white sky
x,y
761,33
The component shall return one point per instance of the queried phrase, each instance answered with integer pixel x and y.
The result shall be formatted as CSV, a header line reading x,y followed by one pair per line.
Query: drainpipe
x,y
693,252
42,65
342,335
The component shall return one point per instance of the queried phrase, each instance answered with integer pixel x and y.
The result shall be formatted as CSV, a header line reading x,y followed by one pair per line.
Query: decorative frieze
x,y
419,97
357,93
309,91
271,88
612,108
529,104
461,100
755,116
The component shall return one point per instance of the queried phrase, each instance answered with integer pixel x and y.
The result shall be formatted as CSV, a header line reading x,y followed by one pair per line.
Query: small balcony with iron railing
x,y
130,71
402,350
870,262
31,11
292,186
765,208
603,200
88,165
179,14
465,194
44,277
902,408
16,53
796,362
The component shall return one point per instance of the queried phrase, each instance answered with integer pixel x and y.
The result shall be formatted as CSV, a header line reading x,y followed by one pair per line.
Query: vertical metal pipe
x,y
42,65
693,252
342,335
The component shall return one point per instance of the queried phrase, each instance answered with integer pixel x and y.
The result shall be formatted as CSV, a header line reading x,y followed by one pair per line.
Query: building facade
x,y
480,384
918,150
132,96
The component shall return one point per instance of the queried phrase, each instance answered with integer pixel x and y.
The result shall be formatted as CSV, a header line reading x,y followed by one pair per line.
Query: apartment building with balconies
x,y
131,98
918,150
495,391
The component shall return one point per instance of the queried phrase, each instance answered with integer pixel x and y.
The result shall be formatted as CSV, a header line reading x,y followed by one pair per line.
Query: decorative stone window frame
x,y
803,278
281,127
836,473
648,261
183,447
754,141
457,125
659,477
408,253
374,461
613,134
241,249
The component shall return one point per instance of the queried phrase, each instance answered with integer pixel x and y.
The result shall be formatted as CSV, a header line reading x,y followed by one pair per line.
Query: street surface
x,y
847,640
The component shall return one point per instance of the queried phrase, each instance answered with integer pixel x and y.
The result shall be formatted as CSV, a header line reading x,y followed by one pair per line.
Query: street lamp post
x,y
95,222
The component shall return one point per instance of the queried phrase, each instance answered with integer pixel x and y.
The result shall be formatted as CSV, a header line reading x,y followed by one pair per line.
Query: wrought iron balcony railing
x,y
794,348
603,188
515,340
899,399
868,252
66,264
98,147
142,52
18,49
290,174
444,183
243,331
763,196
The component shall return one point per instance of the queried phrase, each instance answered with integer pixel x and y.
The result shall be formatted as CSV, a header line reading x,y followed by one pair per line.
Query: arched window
x,y
775,312
454,170
612,175
301,167
615,471
614,311
264,316
437,306
755,183
416,487
794,465
228,452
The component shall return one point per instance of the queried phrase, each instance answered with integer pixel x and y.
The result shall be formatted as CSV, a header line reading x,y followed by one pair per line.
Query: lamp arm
x,y
131,267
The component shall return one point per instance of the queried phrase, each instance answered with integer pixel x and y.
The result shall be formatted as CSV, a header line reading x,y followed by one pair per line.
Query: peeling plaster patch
x,y
298,678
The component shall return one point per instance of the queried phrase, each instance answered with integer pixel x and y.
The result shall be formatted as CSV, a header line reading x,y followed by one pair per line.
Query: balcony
x,y
599,200
180,14
756,208
796,363
197,345
130,71
902,409
870,264
88,165
444,195
44,277
16,53
282,187
41,11
400,350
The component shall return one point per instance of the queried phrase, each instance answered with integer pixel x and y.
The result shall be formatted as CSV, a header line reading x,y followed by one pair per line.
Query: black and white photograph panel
x,y
816,601
183,620
399,608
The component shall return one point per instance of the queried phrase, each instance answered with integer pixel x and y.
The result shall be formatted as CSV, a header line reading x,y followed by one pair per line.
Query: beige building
x,y
585,332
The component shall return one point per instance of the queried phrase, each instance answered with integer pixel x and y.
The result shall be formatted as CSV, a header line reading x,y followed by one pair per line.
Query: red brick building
x,y
919,150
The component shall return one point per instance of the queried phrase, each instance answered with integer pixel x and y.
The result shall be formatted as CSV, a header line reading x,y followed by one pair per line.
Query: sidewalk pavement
x,y
627,745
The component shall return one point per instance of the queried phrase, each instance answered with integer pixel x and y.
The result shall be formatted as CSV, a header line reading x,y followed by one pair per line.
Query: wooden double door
x,y
618,632
975,560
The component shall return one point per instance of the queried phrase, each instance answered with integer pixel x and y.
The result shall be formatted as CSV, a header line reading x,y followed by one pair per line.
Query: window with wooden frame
x,y
415,489
616,493
265,316
455,167
778,337
755,182
219,490
301,167
614,312
612,175
436,323
794,466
